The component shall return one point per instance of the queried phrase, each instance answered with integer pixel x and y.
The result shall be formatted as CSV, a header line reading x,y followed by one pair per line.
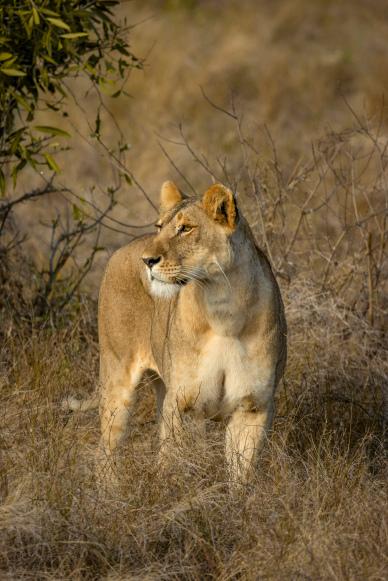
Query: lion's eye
x,y
184,229
158,226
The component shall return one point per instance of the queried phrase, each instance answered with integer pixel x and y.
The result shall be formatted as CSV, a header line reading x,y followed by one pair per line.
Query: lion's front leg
x,y
180,419
171,429
245,436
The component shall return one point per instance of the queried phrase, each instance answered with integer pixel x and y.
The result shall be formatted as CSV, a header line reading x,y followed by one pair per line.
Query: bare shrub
x,y
315,509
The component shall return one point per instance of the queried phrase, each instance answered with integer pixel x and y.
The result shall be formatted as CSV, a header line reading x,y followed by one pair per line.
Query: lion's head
x,y
193,242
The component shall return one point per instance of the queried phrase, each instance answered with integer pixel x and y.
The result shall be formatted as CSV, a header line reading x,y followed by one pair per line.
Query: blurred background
x,y
301,76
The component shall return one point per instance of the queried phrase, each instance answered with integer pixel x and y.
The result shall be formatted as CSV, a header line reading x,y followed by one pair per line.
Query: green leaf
x,y
52,163
4,56
71,35
52,130
35,15
30,25
127,179
12,72
17,133
2,182
9,62
17,169
106,86
59,23
77,213
121,49
22,102
49,59
49,12
31,161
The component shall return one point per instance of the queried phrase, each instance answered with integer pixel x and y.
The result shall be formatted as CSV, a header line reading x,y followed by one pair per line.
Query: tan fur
x,y
169,196
219,204
205,314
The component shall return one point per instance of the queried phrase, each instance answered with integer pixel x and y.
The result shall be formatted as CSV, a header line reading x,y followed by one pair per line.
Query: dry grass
x,y
315,510
317,507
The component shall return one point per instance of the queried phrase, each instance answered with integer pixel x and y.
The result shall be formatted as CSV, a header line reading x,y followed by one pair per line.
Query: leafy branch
x,y
42,43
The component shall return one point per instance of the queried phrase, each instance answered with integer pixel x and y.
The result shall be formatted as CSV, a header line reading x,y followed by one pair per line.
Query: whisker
x,y
226,278
190,274
195,271
195,280
187,277
194,274
191,277
192,271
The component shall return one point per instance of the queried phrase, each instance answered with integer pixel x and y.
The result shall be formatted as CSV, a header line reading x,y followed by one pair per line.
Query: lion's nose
x,y
151,260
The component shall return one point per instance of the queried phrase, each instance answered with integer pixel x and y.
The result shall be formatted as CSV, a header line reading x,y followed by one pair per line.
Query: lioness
x,y
196,303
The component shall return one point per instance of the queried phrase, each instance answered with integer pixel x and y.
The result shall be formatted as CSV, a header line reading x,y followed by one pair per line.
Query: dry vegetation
x,y
317,507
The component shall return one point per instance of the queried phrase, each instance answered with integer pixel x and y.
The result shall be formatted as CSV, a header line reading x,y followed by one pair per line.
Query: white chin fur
x,y
163,290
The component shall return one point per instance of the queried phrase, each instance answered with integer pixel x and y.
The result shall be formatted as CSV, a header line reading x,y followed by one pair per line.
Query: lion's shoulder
x,y
124,270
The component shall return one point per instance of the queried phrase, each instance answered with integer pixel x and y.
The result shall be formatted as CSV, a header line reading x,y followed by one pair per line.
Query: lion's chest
x,y
225,373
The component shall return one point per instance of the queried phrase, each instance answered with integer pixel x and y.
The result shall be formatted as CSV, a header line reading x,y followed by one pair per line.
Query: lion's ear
x,y
170,196
219,203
